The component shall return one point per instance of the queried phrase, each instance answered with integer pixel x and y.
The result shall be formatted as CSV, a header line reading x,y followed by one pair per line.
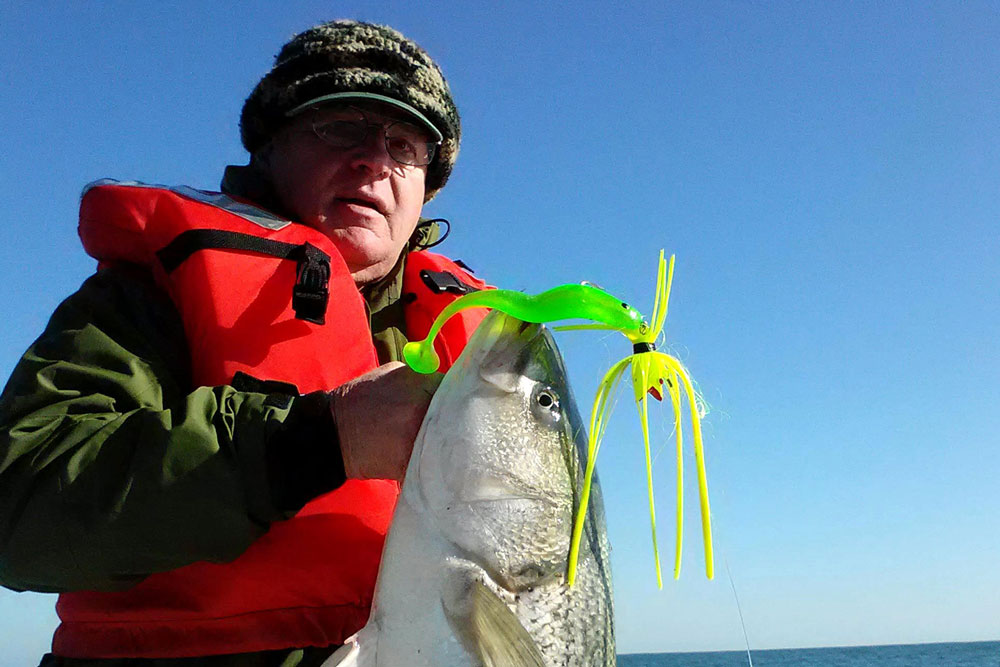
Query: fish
x,y
473,571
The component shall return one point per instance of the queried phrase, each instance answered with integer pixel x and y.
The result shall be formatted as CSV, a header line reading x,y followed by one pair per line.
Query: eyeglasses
x,y
347,127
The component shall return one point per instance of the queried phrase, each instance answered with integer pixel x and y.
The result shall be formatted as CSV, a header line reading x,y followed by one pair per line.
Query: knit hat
x,y
334,60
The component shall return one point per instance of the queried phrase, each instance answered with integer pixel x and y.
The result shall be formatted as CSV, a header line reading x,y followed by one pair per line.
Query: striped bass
x,y
474,566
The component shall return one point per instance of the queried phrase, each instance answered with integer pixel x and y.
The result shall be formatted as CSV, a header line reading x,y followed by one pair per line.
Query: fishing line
x,y
705,408
722,533
739,609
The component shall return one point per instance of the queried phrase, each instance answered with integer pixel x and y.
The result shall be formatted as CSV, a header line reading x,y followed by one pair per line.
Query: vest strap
x,y
310,293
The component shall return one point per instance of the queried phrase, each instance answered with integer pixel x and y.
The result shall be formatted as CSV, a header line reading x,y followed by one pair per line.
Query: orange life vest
x,y
263,296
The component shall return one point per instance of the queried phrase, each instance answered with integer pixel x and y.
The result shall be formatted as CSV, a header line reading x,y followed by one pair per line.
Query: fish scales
x,y
473,571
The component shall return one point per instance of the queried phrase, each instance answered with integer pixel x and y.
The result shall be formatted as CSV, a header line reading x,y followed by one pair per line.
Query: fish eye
x,y
545,399
545,404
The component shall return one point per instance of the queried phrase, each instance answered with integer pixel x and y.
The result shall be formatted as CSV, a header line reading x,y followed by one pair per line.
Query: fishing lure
x,y
565,302
653,373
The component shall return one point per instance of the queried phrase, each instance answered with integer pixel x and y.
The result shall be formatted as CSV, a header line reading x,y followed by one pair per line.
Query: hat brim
x,y
369,96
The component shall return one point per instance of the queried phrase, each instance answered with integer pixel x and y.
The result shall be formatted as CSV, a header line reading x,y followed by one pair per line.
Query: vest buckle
x,y
311,292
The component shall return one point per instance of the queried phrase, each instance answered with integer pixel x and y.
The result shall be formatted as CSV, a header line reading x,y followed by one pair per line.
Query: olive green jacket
x,y
84,507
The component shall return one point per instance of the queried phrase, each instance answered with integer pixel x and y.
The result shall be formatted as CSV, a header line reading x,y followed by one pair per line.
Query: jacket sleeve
x,y
111,468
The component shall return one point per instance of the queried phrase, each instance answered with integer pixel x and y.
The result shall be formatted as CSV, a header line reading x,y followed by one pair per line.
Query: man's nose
x,y
371,154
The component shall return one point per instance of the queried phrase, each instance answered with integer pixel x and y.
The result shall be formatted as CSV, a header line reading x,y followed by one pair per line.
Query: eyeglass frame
x,y
432,145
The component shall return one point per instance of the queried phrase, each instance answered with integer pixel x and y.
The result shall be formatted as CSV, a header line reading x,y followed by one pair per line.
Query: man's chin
x,y
364,262
357,249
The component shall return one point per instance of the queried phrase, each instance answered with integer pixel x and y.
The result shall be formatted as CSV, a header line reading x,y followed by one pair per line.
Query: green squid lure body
x,y
565,302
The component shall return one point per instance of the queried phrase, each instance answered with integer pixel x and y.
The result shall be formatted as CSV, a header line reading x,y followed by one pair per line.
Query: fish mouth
x,y
507,325
497,486
507,352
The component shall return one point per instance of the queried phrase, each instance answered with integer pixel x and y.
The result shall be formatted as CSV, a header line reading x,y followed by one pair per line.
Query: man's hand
x,y
378,416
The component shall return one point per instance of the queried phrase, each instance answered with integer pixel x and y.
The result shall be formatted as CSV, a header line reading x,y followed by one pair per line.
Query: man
x,y
202,451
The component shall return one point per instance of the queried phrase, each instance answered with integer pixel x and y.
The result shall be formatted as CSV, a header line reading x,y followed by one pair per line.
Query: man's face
x,y
365,201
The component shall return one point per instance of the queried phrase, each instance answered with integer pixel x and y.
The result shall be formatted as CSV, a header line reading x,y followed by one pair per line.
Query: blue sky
x,y
826,173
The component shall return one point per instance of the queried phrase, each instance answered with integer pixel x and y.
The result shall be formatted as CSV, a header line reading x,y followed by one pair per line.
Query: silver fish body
x,y
474,567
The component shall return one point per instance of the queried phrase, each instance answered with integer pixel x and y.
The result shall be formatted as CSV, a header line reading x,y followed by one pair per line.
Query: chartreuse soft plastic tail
x,y
653,373
565,302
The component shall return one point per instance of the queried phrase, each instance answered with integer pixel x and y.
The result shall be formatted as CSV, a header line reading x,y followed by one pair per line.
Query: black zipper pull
x,y
311,292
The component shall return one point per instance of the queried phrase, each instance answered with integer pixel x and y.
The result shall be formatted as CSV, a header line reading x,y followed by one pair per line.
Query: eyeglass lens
x,y
347,127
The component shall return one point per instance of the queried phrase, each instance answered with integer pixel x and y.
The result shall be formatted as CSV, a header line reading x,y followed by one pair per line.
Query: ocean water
x,y
971,654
